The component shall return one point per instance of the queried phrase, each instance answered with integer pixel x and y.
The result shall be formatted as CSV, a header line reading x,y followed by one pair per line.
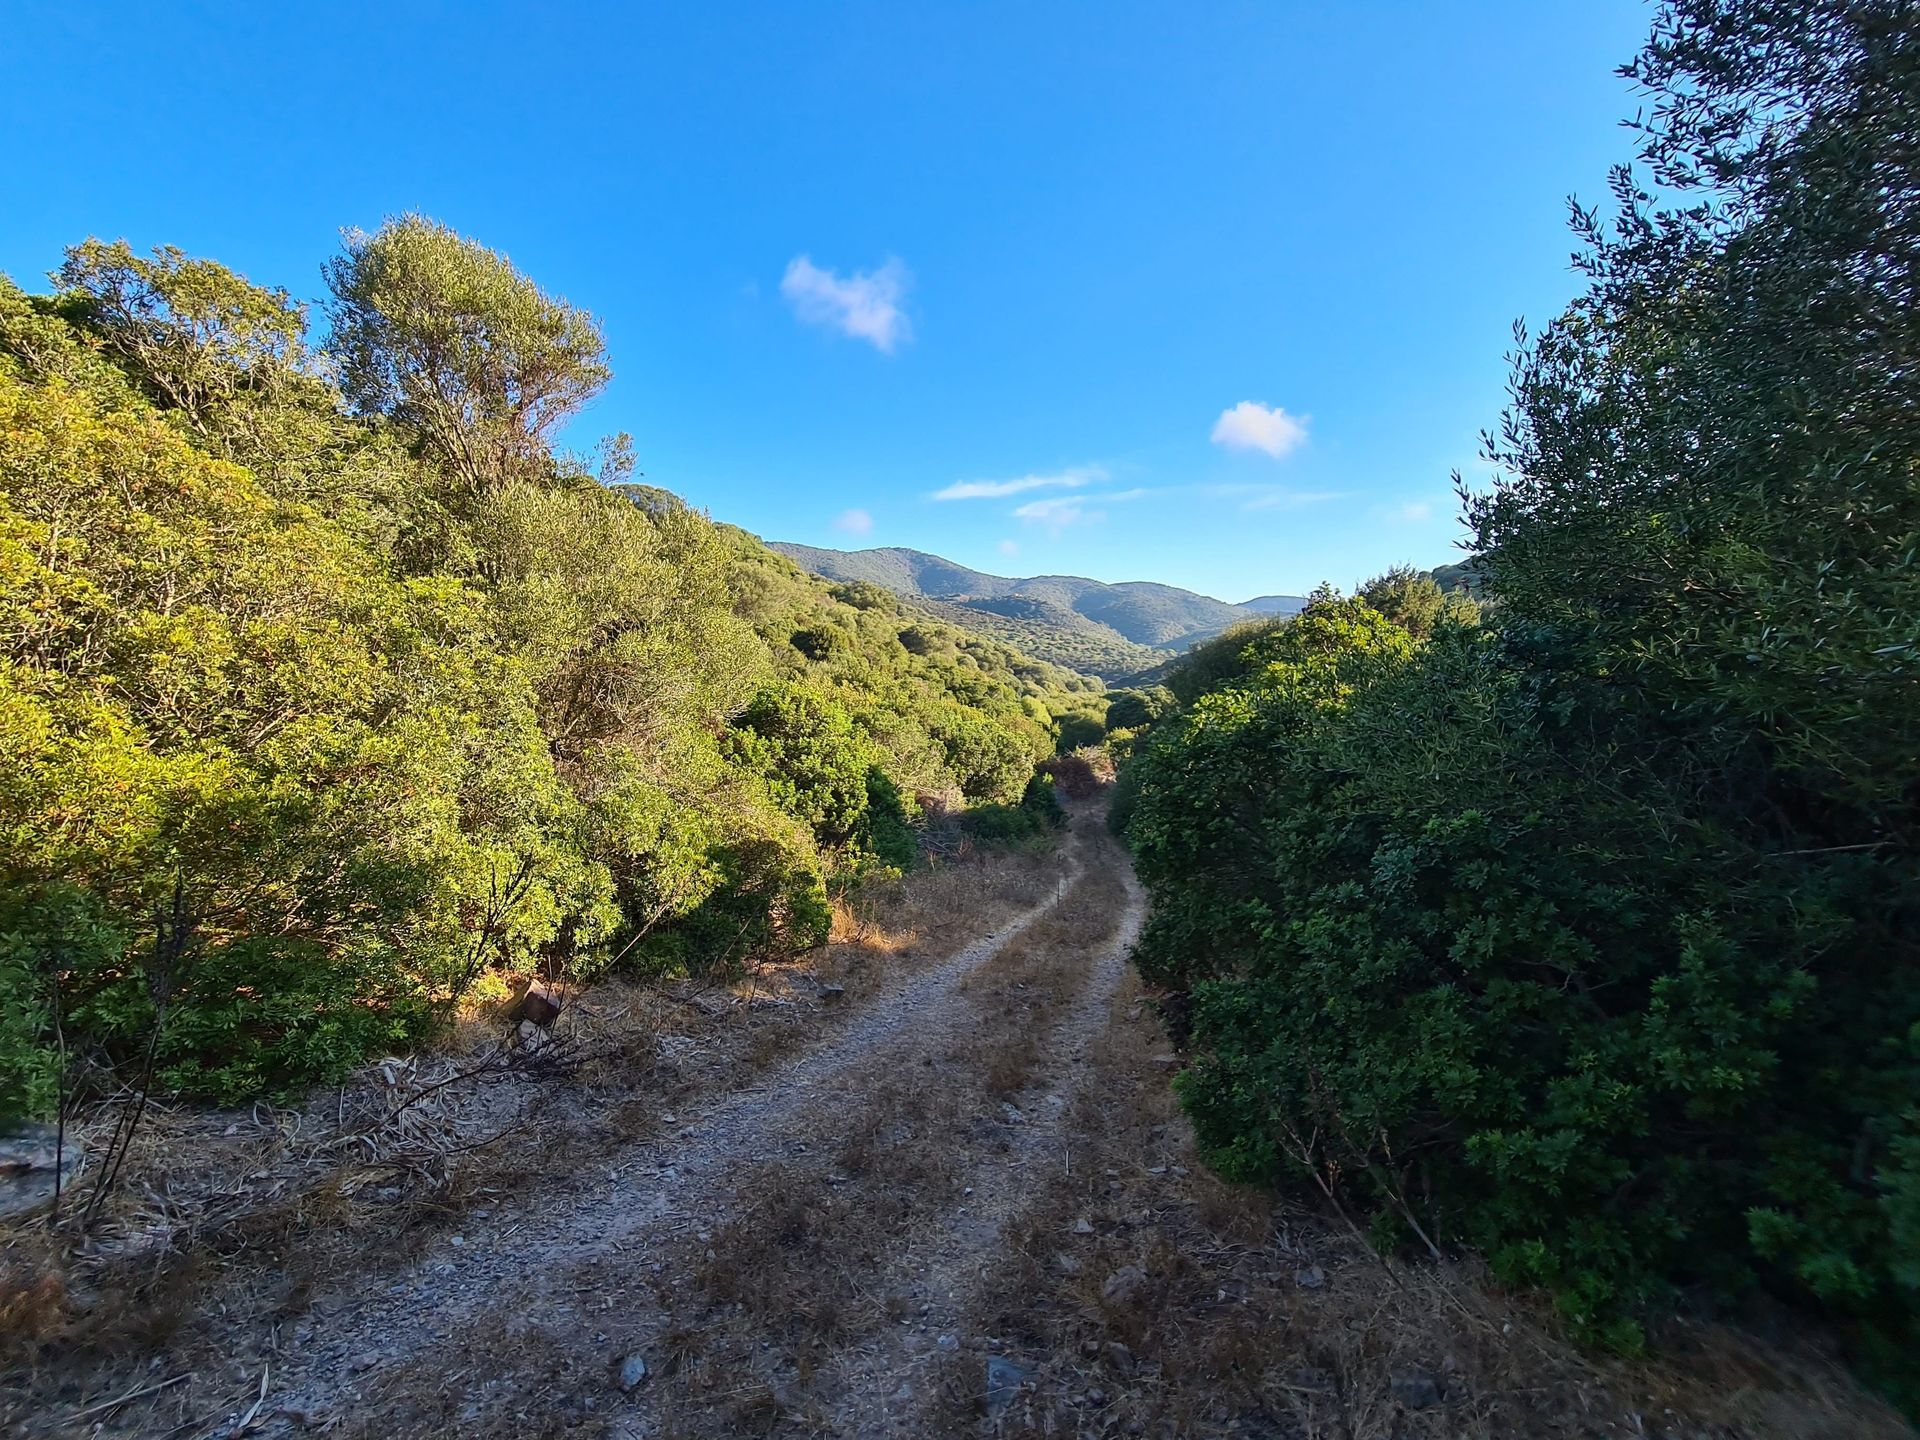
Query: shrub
x,y
1590,937
1073,776
1038,813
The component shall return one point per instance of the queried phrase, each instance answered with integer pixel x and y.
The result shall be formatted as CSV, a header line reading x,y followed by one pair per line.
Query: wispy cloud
x,y
853,522
1406,512
1009,547
1057,512
866,304
1071,478
1271,497
1253,426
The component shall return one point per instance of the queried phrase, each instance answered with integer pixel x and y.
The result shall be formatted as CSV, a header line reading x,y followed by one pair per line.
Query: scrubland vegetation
x,y
332,694
1582,931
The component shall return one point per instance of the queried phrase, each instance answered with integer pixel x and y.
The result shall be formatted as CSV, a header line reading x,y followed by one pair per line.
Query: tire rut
x,y
651,1190
888,1385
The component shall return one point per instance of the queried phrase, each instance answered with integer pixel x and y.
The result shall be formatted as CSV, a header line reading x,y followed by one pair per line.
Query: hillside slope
x,y
1276,604
1109,629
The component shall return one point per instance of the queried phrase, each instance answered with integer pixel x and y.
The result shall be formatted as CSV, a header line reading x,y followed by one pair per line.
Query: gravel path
x,y
889,1382
526,1262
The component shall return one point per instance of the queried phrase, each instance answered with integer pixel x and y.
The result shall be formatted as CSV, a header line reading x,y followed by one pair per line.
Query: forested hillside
x,y
1066,618
1587,934
332,693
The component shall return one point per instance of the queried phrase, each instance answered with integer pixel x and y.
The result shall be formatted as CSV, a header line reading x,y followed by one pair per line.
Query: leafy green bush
x,y
1590,936
1037,815
319,702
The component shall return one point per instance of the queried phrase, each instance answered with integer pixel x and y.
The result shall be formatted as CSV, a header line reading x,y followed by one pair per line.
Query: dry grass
x,y
812,1267
1251,1319
227,1222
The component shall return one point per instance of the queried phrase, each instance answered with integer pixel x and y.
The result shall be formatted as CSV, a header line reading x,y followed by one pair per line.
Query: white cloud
x,y
1291,499
1271,497
1069,479
865,305
853,522
1406,512
1057,512
1253,426
1009,547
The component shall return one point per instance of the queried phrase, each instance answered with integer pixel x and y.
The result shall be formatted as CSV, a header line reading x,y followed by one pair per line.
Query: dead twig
x,y
139,1392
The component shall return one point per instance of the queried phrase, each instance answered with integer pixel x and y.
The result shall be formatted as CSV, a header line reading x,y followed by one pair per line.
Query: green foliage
x,y
1036,815
1216,662
814,763
1587,935
1415,601
317,706
1139,709
447,338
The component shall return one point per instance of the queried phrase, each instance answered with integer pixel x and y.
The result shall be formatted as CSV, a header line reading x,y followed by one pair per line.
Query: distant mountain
x,y
1465,576
1276,604
1107,630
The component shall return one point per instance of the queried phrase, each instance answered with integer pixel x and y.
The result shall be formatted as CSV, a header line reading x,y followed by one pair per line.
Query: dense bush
x,y
1038,812
1591,936
320,701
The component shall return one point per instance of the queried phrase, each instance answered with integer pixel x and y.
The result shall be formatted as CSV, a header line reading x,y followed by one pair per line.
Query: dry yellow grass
x,y
1249,1317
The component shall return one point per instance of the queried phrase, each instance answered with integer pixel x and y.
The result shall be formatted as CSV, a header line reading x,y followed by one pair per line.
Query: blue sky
x,y
1212,293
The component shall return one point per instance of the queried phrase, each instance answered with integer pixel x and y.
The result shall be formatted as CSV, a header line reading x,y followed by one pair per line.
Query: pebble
x,y
1310,1277
1123,1284
1414,1387
633,1369
1004,1379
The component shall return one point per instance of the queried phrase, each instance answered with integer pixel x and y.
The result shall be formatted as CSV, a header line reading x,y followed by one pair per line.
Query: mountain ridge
x,y
1112,629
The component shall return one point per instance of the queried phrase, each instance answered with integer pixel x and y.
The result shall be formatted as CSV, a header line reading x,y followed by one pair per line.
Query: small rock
x,y
1066,1264
1414,1387
1180,1172
948,1343
1004,1379
1310,1277
1124,1284
1012,1114
1083,1226
31,1160
1166,1062
363,1362
832,992
633,1370
1119,1357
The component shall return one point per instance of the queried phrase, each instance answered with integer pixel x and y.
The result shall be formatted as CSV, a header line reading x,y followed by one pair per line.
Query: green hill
x,y
1107,630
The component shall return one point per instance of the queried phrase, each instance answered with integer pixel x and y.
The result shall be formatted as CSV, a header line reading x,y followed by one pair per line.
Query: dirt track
x,y
571,1272
957,1200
